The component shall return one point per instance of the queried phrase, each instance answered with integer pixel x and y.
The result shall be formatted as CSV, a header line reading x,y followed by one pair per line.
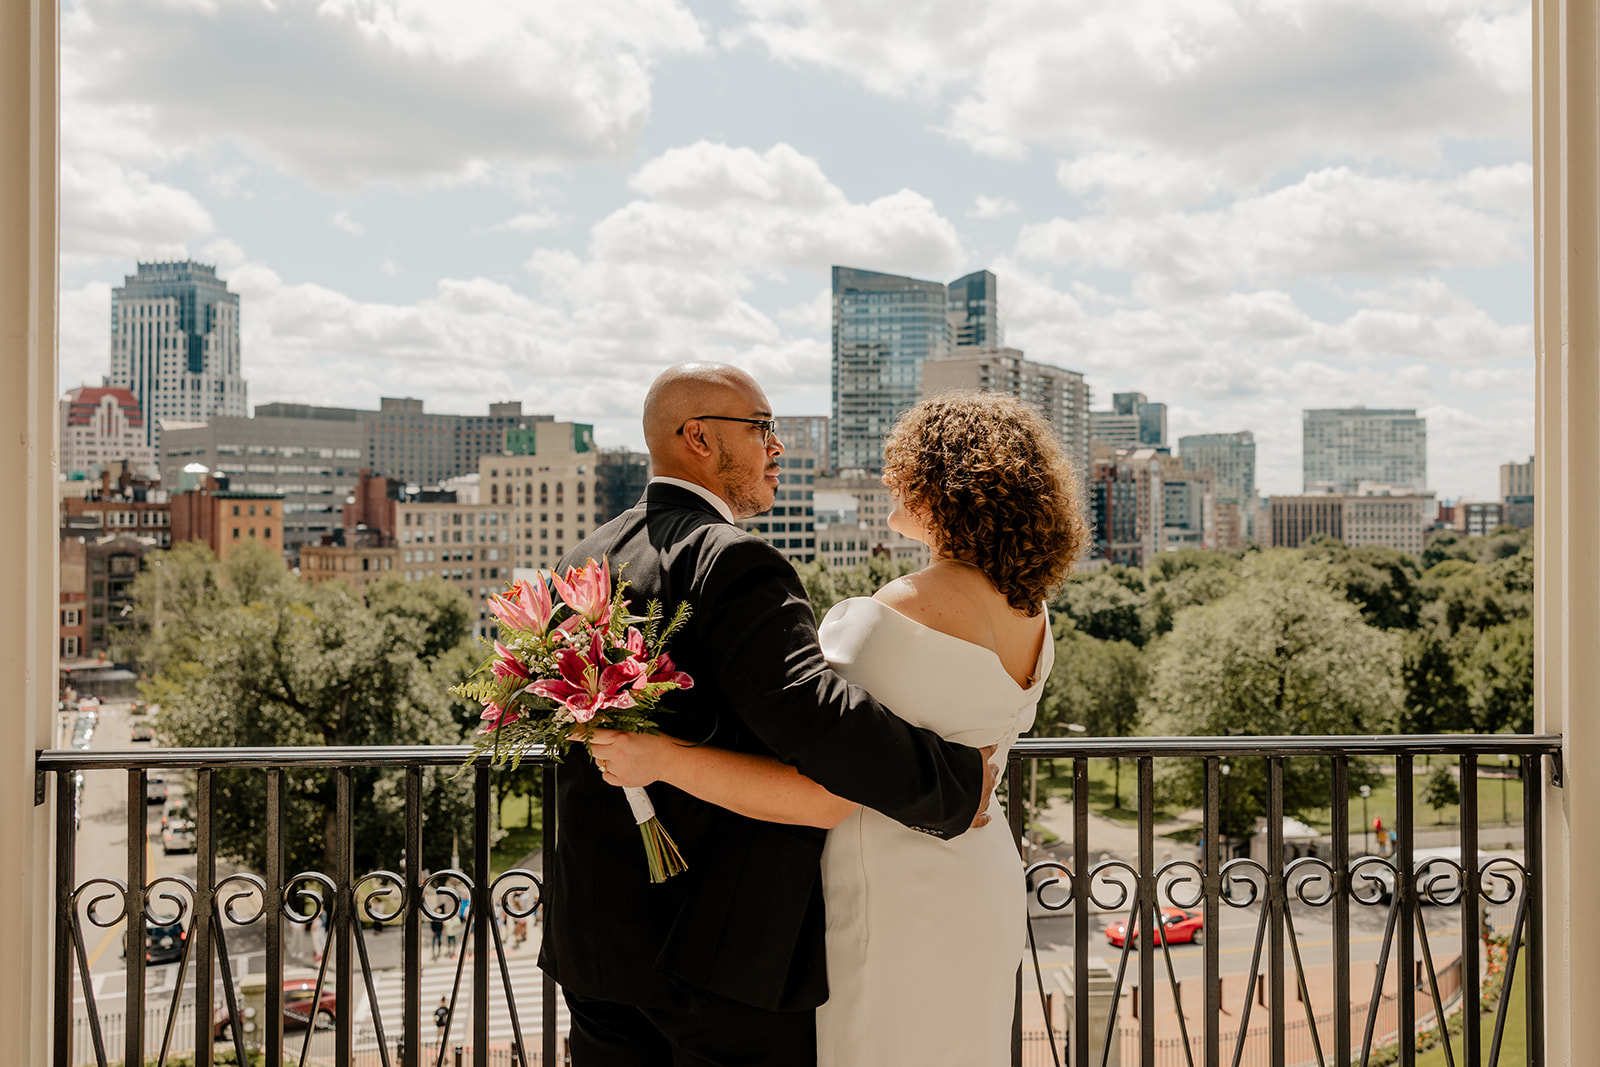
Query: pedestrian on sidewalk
x,y
452,932
441,1017
437,927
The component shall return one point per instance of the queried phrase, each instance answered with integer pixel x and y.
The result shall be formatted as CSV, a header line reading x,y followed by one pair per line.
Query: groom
x,y
723,964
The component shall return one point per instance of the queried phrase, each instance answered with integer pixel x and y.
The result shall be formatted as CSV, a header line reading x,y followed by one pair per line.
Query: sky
x,y
1242,208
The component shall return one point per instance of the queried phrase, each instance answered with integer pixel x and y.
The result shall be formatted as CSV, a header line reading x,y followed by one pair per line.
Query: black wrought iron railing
x,y
1277,1012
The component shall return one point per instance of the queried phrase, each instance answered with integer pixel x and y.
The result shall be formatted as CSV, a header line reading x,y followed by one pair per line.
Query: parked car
x,y
155,789
140,707
163,942
142,731
1178,927
298,1011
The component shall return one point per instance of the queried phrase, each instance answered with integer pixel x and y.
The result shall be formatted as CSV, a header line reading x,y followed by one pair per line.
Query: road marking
x,y
104,941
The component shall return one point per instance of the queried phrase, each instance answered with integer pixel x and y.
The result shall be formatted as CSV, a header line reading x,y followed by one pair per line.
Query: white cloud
x,y
1247,83
1254,359
389,267
343,221
670,276
365,89
1333,221
530,221
993,207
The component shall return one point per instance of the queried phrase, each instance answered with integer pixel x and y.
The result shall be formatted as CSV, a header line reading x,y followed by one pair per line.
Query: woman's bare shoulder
x,y
944,600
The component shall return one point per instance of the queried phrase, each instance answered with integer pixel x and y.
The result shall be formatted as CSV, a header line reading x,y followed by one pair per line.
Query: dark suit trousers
x,y
716,1032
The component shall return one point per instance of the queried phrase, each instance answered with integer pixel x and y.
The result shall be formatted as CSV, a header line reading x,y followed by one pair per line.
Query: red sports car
x,y
1177,926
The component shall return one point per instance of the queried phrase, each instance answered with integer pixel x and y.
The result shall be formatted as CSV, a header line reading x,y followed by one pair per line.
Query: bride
x,y
924,935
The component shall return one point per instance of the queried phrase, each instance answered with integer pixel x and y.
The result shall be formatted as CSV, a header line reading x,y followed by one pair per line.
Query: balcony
x,y
1346,958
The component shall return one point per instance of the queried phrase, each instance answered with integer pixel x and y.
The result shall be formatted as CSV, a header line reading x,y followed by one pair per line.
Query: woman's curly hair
x,y
996,488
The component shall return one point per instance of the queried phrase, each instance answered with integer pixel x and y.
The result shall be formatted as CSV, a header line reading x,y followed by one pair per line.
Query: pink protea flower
x,y
508,666
587,591
588,682
494,717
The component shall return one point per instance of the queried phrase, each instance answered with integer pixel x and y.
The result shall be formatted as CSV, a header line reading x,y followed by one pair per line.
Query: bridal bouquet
x,y
572,659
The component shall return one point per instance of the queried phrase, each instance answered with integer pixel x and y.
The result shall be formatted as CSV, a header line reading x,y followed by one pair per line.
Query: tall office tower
x,y
1231,457
806,431
1516,492
885,327
1060,395
1132,422
1345,447
175,344
974,311
1127,506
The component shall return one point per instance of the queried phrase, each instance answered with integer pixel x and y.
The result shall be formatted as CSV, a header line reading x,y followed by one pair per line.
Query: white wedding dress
x,y
924,936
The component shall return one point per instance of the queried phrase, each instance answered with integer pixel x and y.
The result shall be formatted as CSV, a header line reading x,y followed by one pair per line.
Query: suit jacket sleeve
x,y
759,632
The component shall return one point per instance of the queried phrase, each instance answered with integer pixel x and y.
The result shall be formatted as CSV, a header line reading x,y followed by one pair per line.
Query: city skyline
x,y
1246,210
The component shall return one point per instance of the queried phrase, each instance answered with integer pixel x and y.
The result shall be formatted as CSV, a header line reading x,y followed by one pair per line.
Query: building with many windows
x,y
468,545
1231,459
175,345
1516,492
885,328
1058,394
973,309
549,477
809,432
1345,447
226,518
1397,520
791,525
1127,505
101,426
97,574
312,463
1132,422
406,443
873,503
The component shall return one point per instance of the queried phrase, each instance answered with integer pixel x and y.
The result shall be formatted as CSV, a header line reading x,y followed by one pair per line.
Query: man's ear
x,y
694,435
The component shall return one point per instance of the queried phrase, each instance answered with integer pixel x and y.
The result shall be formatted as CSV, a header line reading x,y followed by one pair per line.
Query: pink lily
x,y
508,666
494,717
510,613
588,684
587,591
528,606
664,670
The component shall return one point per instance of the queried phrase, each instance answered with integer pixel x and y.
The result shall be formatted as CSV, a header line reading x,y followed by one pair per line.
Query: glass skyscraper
x,y
884,328
1344,447
974,311
175,344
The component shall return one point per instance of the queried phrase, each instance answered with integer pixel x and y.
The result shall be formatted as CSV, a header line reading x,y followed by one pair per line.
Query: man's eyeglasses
x,y
768,427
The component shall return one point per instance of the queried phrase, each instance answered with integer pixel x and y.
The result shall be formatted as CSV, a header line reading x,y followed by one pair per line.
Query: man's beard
x,y
746,502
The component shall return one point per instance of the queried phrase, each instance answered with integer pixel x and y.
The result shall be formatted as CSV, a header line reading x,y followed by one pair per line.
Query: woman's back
x,y
956,598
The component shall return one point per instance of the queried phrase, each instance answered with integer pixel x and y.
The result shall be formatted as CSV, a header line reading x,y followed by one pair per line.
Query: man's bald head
x,y
692,426
688,390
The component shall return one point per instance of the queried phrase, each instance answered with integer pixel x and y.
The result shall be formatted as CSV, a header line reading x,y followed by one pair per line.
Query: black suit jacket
x,y
745,921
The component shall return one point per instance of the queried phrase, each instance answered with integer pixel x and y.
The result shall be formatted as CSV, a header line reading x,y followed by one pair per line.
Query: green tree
x,y
1435,698
316,666
1104,605
1183,579
1381,581
1463,595
1282,654
1096,684
826,586
1499,678
1441,791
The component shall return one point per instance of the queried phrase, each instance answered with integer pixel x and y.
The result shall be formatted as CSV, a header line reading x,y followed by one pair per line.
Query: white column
x,y
29,107
1566,131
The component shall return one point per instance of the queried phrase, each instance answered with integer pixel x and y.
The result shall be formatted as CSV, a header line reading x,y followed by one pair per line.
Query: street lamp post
x,y
1366,827
1223,836
1504,759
